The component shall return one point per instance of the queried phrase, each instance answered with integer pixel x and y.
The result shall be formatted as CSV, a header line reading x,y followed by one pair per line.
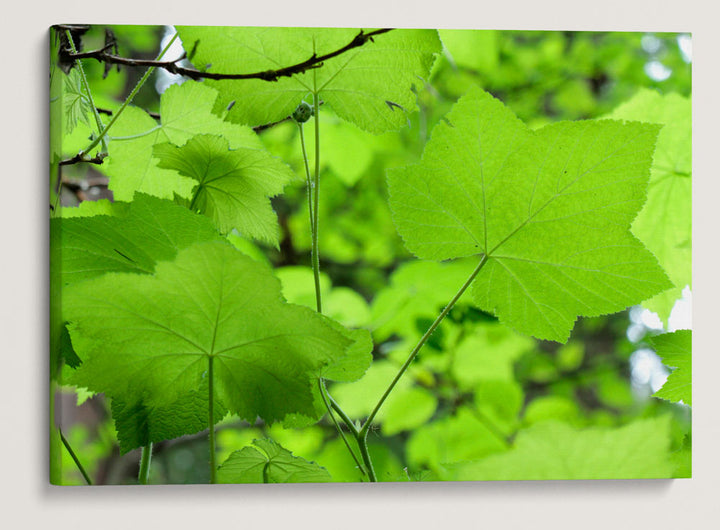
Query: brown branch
x,y
81,157
314,61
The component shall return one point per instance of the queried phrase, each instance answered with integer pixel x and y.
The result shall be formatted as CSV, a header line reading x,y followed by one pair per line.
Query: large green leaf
x,y
664,224
675,350
267,462
100,237
369,85
550,209
185,110
344,306
233,186
554,451
139,423
129,237
150,338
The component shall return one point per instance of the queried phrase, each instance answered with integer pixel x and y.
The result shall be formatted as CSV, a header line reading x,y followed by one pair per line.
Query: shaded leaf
x,y
151,337
267,462
127,237
139,424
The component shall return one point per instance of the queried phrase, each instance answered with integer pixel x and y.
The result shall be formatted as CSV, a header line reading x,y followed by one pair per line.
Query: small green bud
x,y
302,113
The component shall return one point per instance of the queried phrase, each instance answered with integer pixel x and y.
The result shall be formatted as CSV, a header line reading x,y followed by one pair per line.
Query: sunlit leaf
x,y
675,350
550,209
555,451
664,224
233,187
185,110
369,85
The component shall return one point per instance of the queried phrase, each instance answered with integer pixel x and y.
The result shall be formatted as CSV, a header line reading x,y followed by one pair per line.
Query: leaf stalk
x,y
211,421
75,459
362,434
145,457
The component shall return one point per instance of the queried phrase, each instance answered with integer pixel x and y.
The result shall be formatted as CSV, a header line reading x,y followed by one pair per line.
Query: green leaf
x,y
555,451
675,350
664,224
345,307
413,407
233,186
185,111
138,423
682,459
267,462
369,85
475,49
551,209
462,436
151,337
247,247
89,208
76,104
558,408
334,456
488,354
499,404
407,407
410,296
340,303
132,238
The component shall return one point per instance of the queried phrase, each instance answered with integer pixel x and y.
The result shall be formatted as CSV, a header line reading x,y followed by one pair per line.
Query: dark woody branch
x,y
315,61
78,158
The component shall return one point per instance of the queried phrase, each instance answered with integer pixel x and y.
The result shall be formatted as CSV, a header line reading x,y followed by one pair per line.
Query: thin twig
x,y
314,61
81,157
75,459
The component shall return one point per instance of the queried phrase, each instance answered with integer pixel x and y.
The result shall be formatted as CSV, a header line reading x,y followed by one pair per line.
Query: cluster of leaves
x,y
188,301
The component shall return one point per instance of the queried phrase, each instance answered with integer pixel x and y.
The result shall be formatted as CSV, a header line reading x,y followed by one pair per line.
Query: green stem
x,y
316,195
313,212
211,421
363,445
86,87
350,424
363,433
75,458
128,100
325,397
420,344
135,136
308,180
145,458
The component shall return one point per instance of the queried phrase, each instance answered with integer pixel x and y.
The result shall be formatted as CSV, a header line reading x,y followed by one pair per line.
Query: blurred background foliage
x,y
476,386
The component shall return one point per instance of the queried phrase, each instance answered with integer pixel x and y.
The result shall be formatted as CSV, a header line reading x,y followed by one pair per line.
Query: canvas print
x,y
300,255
